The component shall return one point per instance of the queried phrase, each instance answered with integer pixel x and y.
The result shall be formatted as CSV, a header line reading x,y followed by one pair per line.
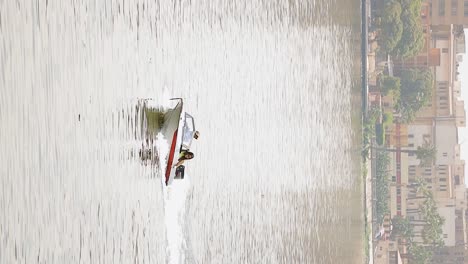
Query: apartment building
x,y
446,12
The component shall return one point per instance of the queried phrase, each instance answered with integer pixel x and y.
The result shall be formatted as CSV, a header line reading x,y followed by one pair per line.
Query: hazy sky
x,y
463,132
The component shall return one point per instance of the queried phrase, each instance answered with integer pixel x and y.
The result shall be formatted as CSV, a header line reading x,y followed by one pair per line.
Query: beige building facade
x,y
387,252
446,12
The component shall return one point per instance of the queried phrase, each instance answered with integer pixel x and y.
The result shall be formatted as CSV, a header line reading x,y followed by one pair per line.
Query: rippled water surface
x,y
271,85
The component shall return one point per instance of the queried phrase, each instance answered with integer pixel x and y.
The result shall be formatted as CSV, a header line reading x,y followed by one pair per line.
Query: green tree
x,y
420,254
390,84
421,187
416,92
432,222
402,227
432,232
425,153
412,38
391,26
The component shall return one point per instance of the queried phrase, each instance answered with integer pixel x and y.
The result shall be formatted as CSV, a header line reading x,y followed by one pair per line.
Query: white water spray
x,y
175,197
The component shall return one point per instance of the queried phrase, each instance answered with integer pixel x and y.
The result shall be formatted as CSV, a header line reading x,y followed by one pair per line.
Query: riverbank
x,y
367,140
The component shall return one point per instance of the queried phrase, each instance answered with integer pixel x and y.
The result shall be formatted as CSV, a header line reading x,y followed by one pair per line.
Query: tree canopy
x,y
426,154
415,92
412,39
391,26
420,254
402,227
401,29
390,84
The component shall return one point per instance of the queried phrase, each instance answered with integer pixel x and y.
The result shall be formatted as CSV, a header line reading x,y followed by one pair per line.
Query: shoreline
x,y
367,163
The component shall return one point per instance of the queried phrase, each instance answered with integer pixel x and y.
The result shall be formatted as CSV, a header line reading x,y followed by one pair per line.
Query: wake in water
x,y
175,210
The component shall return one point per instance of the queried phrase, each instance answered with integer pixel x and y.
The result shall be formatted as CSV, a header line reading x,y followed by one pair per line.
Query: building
x,y
450,255
447,12
387,252
445,104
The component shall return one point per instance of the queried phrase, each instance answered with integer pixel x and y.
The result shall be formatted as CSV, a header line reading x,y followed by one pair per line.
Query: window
x,y
410,136
393,179
411,145
465,8
441,7
445,154
453,6
442,179
444,50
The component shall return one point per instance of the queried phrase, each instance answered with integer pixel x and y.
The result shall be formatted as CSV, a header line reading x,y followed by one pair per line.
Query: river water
x,y
273,86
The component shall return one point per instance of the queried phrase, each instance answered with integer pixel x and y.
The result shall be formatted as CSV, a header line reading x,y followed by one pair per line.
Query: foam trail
x,y
175,197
